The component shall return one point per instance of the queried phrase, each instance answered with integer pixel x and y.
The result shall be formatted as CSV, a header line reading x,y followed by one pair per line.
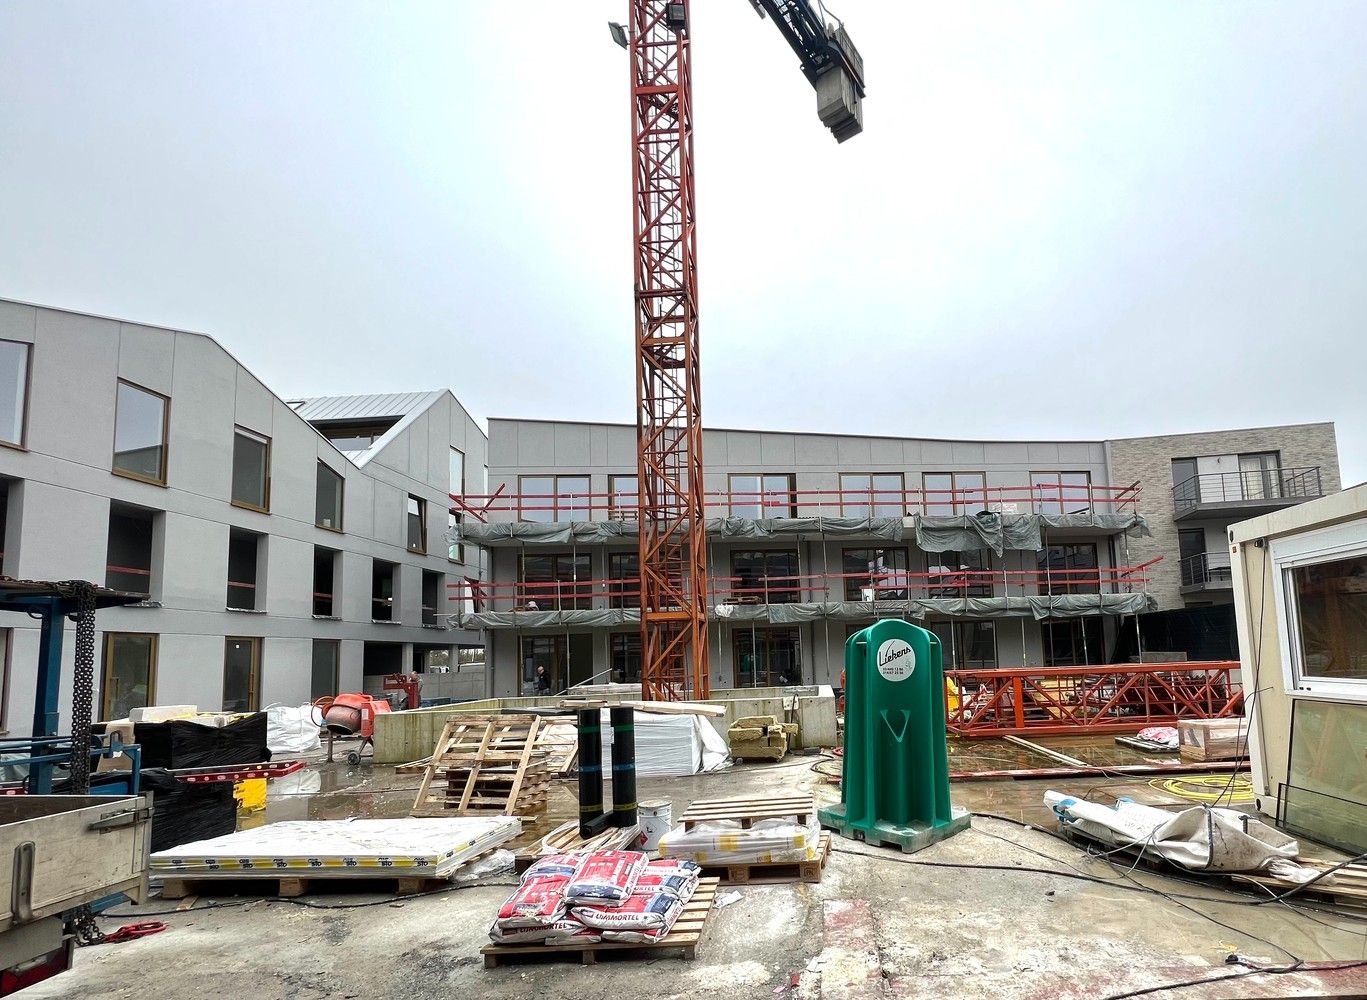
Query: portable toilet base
x,y
894,785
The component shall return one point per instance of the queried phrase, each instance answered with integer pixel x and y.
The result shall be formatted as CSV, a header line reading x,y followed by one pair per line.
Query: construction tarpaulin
x,y
1099,522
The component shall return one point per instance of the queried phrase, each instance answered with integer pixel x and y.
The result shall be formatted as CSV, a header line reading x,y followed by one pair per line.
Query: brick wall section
x,y
1149,460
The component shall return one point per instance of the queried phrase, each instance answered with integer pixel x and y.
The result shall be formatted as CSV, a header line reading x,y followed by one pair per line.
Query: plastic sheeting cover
x,y
669,746
292,728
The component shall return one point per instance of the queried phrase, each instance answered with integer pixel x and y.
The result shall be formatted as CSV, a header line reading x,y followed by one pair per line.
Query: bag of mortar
x,y
672,875
559,932
770,841
640,912
538,902
605,878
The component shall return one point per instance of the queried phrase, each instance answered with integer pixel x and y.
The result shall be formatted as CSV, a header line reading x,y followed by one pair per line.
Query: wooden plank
x,y
747,811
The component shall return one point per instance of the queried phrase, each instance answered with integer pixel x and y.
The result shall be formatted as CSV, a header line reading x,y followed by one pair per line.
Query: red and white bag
x,y
642,912
538,902
564,866
559,932
605,878
672,875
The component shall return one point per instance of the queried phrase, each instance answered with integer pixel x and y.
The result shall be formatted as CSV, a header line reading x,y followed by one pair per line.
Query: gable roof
x,y
401,407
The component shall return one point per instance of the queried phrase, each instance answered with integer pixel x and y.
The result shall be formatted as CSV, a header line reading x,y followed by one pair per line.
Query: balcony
x,y
1238,495
1206,572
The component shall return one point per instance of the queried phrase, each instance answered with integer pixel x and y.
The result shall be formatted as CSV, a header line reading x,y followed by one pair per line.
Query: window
x,y
875,574
14,371
1061,492
140,433
382,591
1072,642
241,674
1261,475
967,644
552,663
767,657
354,435
1191,553
623,497
128,557
251,470
764,577
245,592
1328,626
1069,569
624,575
756,496
325,679
625,657
455,550
130,673
878,494
4,530
947,494
432,585
417,524
557,582
328,509
958,574
457,473
325,563
553,498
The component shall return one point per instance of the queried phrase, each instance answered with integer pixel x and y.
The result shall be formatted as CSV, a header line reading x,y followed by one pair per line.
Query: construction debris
x,y
760,737
1213,739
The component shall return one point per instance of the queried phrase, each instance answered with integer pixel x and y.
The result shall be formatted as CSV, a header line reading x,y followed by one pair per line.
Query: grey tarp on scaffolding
x,y
583,618
890,528
1102,522
987,530
1039,608
543,532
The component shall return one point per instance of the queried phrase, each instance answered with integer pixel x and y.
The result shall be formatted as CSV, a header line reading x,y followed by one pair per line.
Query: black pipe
x,y
623,767
591,820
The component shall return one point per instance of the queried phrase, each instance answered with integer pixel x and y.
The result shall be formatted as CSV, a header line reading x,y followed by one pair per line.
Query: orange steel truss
x,y
673,549
1101,699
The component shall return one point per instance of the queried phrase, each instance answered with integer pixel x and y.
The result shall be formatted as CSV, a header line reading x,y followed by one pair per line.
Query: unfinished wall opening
x,y
380,658
354,435
326,575
565,660
431,659
325,678
128,557
382,591
5,494
433,584
246,559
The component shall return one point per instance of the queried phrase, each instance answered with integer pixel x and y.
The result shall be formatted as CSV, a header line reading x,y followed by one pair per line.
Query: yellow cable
x,y
1208,788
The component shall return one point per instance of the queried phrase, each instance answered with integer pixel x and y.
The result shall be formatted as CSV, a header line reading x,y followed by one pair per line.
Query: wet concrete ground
x,y
880,924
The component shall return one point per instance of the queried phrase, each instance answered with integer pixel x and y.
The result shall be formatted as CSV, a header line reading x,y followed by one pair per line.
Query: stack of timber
x,y
565,838
1346,886
485,765
1205,740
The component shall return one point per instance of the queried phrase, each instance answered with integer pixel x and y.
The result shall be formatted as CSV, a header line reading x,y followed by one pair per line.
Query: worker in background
x,y
543,680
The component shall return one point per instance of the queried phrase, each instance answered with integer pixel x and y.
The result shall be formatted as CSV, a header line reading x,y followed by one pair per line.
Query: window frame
x,y
432,611
165,436
340,529
958,507
421,547
257,436
253,677
332,597
1070,583
1323,545
853,589
764,507
556,502
872,505
107,662
22,443
1058,485
620,512
336,645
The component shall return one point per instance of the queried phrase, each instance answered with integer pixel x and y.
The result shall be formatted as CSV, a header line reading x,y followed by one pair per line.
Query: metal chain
x,y
82,708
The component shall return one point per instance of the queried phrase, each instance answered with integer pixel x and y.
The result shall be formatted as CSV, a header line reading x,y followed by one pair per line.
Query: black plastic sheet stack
x,y
179,743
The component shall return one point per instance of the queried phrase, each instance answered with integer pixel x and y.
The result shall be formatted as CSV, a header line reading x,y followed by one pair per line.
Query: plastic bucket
x,y
655,818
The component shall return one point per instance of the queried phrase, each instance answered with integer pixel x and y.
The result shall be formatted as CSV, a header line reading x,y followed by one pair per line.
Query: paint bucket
x,y
655,818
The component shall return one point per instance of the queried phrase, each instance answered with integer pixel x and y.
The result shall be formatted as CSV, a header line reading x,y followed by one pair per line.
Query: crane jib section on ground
x,y
673,544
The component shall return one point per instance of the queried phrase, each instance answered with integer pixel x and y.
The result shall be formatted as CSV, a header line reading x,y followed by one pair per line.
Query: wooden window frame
x,y
22,443
254,678
421,547
341,506
165,436
106,687
266,491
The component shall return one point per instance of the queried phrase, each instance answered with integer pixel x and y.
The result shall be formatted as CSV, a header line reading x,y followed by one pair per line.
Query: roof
x,y
401,407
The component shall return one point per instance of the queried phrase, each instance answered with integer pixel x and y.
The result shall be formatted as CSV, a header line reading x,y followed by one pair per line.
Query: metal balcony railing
x,y
1251,487
1206,568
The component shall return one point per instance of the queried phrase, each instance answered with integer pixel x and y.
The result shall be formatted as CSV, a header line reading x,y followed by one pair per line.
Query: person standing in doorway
x,y
543,680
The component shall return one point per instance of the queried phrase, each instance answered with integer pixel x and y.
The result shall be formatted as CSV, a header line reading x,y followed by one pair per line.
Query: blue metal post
x,y
46,715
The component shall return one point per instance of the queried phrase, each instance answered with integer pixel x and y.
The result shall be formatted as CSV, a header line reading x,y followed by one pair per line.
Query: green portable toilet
x,y
895,782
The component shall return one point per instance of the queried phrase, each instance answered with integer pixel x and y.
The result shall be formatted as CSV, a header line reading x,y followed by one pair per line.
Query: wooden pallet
x,y
749,811
290,886
566,838
683,938
480,765
774,872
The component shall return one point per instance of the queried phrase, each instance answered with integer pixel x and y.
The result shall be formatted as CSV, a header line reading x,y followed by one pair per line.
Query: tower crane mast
x,y
673,542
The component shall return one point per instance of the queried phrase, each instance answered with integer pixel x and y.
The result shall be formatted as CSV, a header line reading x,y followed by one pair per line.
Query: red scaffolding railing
x,y
895,585
1111,698
1052,498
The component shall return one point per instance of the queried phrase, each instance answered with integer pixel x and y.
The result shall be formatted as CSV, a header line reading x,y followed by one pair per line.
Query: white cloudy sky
x,y
1064,219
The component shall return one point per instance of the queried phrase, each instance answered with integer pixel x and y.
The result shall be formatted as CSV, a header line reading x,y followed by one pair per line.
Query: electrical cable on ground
x,y
1251,970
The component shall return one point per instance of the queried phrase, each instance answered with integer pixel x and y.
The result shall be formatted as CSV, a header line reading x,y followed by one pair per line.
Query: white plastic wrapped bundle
x,y
724,842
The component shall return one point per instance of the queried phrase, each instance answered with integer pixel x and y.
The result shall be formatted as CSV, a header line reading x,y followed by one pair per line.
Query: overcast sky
x,y
1063,220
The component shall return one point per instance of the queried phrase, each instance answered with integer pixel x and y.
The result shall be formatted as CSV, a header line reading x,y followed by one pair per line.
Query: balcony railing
x,y
1037,499
1206,569
1273,487
893,585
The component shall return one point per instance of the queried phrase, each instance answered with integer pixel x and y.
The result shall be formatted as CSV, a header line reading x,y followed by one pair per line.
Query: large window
x,y
245,558
416,535
432,585
456,477
130,673
551,663
875,574
877,494
455,550
624,576
251,469
557,582
946,494
958,574
1328,627
623,497
325,597
1069,569
328,508
1061,492
382,591
140,433
625,657
241,674
767,657
1072,642
553,498
764,577
967,644
128,557
14,369
759,496
325,677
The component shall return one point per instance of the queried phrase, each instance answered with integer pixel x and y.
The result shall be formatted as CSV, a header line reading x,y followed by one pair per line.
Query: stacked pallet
x,y
750,841
1206,740
486,765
